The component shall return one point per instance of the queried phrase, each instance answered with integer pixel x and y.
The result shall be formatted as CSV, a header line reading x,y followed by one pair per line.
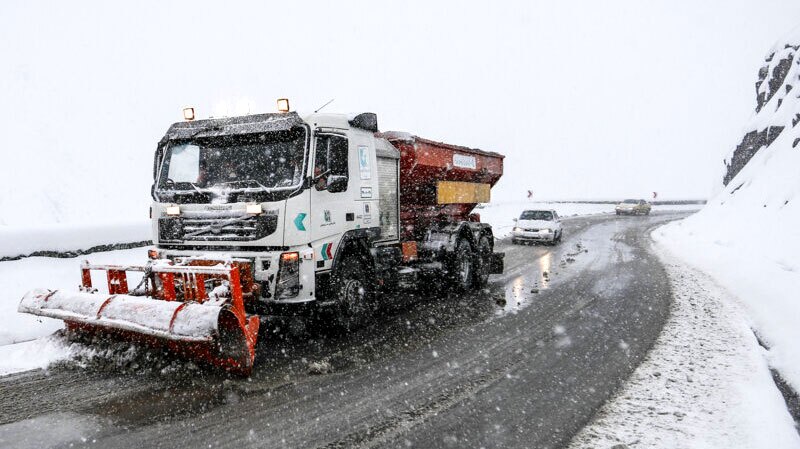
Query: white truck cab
x,y
281,190
311,207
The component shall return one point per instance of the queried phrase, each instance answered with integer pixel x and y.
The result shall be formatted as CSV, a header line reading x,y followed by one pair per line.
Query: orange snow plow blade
x,y
173,310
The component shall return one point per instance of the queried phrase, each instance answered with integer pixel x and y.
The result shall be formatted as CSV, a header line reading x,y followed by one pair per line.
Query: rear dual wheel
x,y
461,266
483,261
470,268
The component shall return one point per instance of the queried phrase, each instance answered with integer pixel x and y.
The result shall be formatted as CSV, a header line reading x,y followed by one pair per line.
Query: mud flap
x,y
497,265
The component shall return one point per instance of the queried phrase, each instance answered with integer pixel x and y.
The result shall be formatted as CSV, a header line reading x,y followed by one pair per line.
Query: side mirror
x,y
337,183
516,219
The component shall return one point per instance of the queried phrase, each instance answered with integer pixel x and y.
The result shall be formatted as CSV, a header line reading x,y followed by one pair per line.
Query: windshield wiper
x,y
196,188
266,189
174,190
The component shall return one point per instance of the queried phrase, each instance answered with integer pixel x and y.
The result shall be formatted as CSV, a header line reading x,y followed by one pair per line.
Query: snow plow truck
x,y
278,214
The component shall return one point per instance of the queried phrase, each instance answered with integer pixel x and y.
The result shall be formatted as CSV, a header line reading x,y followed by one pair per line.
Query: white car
x,y
537,226
633,207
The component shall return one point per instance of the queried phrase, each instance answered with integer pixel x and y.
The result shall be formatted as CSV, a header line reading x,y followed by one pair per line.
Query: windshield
x,y
265,162
536,215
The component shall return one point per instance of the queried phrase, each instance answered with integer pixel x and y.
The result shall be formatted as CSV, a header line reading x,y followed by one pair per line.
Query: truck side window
x,y
331,161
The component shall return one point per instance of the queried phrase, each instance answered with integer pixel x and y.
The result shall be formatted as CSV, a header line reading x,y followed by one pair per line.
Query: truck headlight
x,y
254,209
173,210
288,284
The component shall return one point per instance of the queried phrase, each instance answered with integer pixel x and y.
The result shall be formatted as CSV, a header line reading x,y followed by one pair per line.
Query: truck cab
x,y
310,207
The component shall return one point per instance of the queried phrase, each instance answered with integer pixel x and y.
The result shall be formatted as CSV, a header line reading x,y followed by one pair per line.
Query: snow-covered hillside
x,y
748,236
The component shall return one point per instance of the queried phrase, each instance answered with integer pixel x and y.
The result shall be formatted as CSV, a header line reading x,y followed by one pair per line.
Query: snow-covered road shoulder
x,y
705,384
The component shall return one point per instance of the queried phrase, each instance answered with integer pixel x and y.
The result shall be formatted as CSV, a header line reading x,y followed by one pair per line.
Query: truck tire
x,y
483,262
352,293
461,268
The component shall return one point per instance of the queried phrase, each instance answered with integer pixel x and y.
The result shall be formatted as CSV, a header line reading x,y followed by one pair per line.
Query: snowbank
x,y
22,241
748,236
35,354
19,276
705,384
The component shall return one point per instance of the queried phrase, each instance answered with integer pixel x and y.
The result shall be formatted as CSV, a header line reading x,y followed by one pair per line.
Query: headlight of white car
x,y
516,229
544,231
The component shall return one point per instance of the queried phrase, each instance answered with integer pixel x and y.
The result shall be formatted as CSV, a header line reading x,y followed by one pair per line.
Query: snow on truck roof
x,y
245,124
284,121
257,123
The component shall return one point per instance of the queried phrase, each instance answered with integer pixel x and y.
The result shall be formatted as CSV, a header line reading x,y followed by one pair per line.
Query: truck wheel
x,y
352,293
483,262
460,271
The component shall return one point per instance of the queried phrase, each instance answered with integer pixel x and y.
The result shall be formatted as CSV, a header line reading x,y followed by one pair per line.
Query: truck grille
x,y
216,227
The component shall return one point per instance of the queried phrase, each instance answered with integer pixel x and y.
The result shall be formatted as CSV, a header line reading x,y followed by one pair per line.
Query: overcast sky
x,y
586,99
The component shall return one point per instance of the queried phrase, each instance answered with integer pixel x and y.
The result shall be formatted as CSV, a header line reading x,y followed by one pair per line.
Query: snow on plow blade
x,y
171,320
210,328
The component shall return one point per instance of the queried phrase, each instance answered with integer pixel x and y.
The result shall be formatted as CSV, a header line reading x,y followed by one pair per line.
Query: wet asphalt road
x,y
525,363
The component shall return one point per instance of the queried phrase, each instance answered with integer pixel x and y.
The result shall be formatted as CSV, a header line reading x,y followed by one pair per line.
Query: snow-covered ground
x,y
763,272
748,236
24,341
705,384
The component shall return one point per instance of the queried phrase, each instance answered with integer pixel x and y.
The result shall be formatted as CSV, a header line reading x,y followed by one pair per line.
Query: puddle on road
x,y
52,430
149,406
525,288
121,413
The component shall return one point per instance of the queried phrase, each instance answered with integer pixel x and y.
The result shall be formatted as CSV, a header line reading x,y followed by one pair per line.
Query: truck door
x,y
331,196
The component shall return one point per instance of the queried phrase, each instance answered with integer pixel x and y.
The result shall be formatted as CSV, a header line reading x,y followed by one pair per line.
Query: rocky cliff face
x,y
777,104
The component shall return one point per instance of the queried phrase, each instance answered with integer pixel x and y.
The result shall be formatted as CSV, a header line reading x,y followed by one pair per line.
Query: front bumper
x,y
265,270
536,236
